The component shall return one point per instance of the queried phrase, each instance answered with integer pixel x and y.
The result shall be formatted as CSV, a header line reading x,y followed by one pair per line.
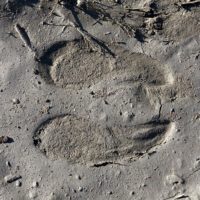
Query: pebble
x,y
107,33
18,183
196,164
132,193
32,194
15,101
8,164
173,179
78,177
35,184
80,2
80,189
110,192
4,139
172,110
127,116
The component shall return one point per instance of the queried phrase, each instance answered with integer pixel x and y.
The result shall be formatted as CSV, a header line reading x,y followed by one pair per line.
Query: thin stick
x,y
24,37
95,44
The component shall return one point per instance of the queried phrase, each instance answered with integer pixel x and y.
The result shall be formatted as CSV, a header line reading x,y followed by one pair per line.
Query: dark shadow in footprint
x,y
46,57
71,63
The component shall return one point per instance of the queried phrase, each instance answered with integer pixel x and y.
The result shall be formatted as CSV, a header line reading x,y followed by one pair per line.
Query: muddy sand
x,y
99,99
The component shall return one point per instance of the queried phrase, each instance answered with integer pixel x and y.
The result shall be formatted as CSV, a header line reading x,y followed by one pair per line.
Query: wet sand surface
x,y
99,99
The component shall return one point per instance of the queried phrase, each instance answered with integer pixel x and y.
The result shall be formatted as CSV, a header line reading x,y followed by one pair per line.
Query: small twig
x,y
52,24
191,3
105,163
24,37
85,35
95,44
136,10
98,20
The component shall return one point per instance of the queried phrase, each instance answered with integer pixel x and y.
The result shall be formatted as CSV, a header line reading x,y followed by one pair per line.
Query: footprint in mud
x,y
72,64
79,140
132,79
133,92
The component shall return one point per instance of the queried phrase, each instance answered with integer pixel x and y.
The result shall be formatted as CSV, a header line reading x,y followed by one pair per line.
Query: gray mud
x,y
99,99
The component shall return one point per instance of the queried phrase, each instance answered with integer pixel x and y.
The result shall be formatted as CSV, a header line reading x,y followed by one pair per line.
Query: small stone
x,y
15,101
173,179
78,177
127,116
80,2
52,194
196,164
4,139
132,193
32,194
172,110
35,184
80,189
8,164
143,185
197,116
18,183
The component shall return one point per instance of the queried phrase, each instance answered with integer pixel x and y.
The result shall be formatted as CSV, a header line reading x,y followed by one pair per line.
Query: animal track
x,y
80,141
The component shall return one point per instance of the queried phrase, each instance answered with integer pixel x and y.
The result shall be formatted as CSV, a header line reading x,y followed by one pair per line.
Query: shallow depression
x,y
72,63
79,140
